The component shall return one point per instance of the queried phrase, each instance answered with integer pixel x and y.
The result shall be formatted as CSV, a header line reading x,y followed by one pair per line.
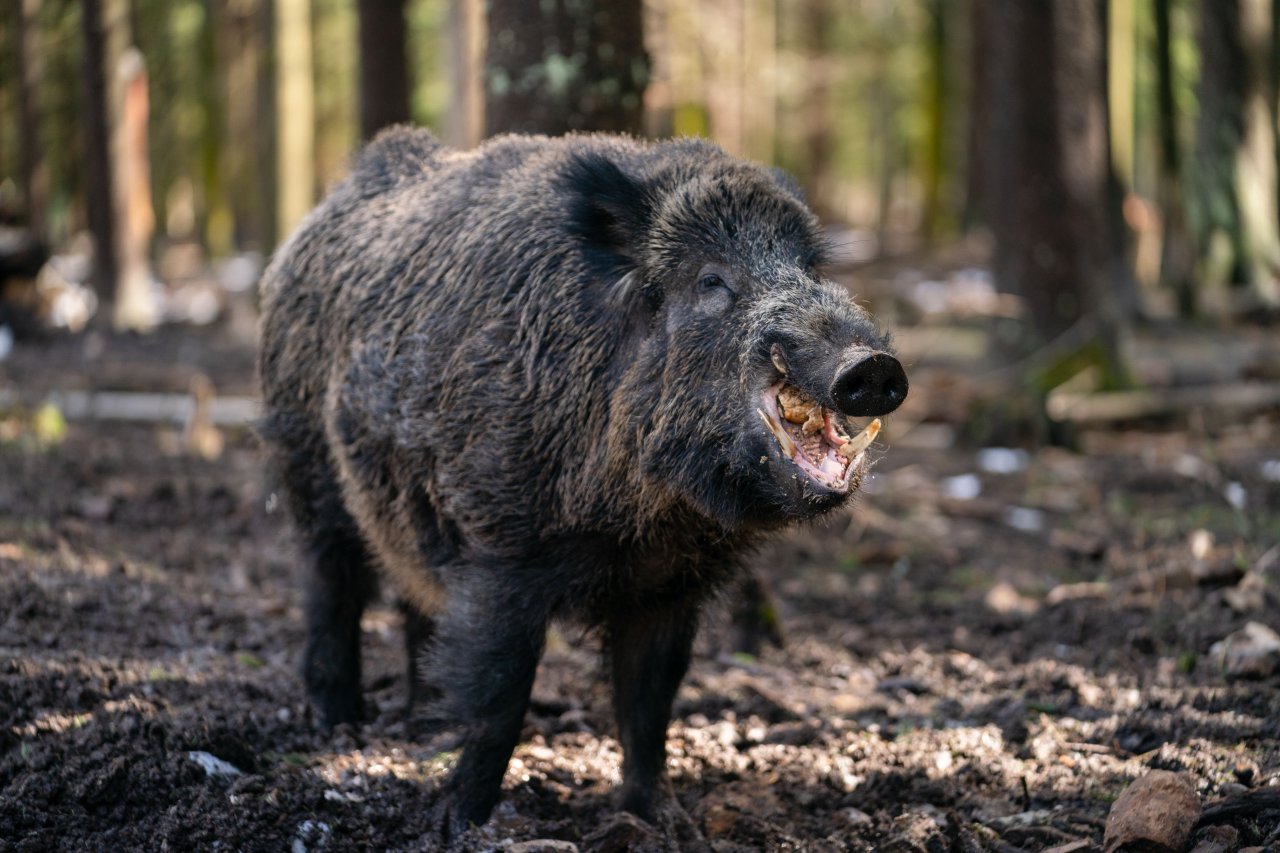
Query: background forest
x,y
1138,137
1049,622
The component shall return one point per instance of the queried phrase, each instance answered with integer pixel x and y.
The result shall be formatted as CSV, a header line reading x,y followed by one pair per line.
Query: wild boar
x,y
571,378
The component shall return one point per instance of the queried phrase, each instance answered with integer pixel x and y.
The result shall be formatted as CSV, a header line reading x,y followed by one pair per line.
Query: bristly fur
x,y
500,377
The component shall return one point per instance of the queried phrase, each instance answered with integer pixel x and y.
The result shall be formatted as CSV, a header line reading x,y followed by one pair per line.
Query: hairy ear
x,y
609,210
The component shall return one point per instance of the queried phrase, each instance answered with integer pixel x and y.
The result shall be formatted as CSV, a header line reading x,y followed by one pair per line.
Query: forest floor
x,y
980,654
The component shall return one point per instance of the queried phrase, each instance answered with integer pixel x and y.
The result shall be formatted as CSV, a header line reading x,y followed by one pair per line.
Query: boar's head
x,y
746,382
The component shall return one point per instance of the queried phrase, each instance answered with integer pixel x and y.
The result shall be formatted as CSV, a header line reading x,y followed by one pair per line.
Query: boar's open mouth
x,y
810,436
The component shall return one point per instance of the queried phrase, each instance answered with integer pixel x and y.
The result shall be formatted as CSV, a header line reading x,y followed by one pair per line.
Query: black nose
x,y
876,385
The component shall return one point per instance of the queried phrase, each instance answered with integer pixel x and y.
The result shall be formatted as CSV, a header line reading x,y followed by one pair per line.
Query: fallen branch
x,y
1105,407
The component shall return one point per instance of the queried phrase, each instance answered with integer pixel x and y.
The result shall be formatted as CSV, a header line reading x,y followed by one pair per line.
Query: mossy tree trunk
x,y
563,65
1047,172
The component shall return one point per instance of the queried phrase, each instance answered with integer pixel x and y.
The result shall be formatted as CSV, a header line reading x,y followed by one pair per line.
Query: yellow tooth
x,y
784,440
861,441
775,355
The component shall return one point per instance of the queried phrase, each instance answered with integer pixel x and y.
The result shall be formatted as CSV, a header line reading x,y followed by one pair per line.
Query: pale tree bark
x,y
1256,185
464,125
295,113
135,307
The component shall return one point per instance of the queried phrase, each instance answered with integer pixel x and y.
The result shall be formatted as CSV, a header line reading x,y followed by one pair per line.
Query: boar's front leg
x,y
482,659
650,650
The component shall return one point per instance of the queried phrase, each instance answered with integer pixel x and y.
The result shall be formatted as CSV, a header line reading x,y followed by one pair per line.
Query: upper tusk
x,y
775,355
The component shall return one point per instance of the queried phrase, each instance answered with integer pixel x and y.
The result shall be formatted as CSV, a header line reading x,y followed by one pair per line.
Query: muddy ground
x,y
981,654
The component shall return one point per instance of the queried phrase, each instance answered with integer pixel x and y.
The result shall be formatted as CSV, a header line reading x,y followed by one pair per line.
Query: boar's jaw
x,y
808,435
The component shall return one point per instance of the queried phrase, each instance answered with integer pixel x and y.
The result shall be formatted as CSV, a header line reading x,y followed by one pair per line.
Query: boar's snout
x,y
873,384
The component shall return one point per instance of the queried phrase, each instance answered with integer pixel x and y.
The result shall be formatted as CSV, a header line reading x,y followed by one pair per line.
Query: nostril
x,y
876,385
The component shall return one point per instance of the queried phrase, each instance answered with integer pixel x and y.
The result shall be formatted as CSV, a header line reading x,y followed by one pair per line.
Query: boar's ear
x,y
789,184
609,210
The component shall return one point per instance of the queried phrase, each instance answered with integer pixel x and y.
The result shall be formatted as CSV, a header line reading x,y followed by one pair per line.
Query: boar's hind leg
x,y
340,580
482,658
650,652
340,585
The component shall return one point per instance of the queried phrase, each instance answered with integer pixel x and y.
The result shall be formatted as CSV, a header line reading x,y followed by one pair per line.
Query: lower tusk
x,y
784,440
861,441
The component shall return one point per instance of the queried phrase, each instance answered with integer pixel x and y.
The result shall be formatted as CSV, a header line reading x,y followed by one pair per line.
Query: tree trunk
x,y
384,67
1219,130
819,144
268,122
936,100
985,41
243,48
295,113
1177,253
1047,155
99,111
135,309
563,65
35,171
1256,184
218,225
465,121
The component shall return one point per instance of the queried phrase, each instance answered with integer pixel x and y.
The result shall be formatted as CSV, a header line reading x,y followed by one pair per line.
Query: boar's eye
x,y
715,294
711,281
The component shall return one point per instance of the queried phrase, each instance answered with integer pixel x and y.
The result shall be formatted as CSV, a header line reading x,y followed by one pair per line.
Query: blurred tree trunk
x,y
243,47
1219,130
1177,253
1120,21
1256,159
101,49
30,77
1047,172
465,120
563,65
218,225
268,121
936,100
295,113
135,308
819,142
886,140
985,41
384,66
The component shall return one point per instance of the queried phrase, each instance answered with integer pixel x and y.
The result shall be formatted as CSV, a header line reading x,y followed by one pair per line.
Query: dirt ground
x,y
981,654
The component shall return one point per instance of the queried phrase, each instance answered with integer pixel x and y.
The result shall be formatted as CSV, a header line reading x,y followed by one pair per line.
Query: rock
x,y
1216,839
1251,652
621,833
212,765
1155,814
855,817
922,830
